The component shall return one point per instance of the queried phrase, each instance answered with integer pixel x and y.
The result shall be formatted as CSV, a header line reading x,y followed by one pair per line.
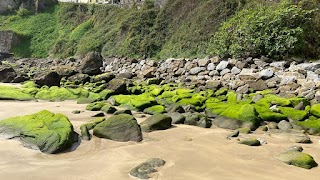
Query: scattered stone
x,y
48,79
295,148
222,65
284,125
298,159
91,63
244,130
7,73
76,112
177,118
291,135
101,114
233,134
266,74
143,170
250,142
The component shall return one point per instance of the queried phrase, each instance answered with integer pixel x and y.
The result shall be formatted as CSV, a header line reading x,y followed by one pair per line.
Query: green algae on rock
x,y
13,93
122,127
315,110
95,106
298,159
156,109
46,131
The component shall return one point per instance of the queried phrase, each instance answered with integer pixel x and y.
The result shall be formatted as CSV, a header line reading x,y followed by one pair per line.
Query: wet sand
x,y
191,153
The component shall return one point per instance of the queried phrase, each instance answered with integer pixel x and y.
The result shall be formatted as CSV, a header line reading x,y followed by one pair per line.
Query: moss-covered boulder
x,y
122,127
157,109
96,106
315,110
85,128
13,93
267,115
140,102
119,86
156,122
294,115
242,112
313,124
55,93
46,131
107,108
297,158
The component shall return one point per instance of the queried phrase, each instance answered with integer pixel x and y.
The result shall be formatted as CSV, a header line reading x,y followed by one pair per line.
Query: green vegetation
x,y
51,133
182,28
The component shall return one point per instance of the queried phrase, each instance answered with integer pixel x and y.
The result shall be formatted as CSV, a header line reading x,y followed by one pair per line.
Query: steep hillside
x,y
182,28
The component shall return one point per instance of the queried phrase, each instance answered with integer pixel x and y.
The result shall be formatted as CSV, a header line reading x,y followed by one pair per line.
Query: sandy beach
x,y
190,152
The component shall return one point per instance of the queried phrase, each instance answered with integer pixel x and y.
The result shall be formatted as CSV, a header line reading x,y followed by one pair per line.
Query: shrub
x,y
275,31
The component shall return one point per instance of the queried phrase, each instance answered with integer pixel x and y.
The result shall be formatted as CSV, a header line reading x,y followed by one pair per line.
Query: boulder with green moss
x,y
139,102
13,93
157,109
55,93
96,106
293,114
242,112
46,131
297,158
122,127
267,115
156,122
119,86
108,108
315,110
313,124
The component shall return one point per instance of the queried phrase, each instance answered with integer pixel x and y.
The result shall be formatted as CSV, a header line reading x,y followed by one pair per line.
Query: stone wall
x,y
8,39
242,75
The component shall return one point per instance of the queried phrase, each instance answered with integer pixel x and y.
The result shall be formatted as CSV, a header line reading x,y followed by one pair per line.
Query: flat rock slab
x,y
291,135
143,170
297,158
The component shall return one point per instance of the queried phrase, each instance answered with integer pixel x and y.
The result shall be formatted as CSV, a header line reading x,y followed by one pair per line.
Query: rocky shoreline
x,y
245,95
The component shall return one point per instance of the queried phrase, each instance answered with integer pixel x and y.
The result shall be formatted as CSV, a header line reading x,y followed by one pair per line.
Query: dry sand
x,y
191,153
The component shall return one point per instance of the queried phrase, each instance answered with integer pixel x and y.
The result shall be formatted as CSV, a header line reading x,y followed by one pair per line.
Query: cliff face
x,y
6,5
8,40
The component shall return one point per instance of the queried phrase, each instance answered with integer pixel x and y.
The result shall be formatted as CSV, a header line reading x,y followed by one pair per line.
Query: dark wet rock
x,y
85,128
79,78
119,86
176,117
297,158
156,122
76,112
91,63
250,142
122,127
48,79
143,170
109,109
175,108
101,114
7,74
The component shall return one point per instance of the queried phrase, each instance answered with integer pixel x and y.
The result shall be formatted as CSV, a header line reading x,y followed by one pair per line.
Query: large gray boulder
x,y
156,122
91,64
122,127
45,131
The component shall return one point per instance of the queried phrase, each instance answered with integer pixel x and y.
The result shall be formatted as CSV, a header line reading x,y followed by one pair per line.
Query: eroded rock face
x,y
46,131
7,74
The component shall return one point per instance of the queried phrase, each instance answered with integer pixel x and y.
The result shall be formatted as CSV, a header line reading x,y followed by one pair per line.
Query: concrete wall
x,y
8,40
